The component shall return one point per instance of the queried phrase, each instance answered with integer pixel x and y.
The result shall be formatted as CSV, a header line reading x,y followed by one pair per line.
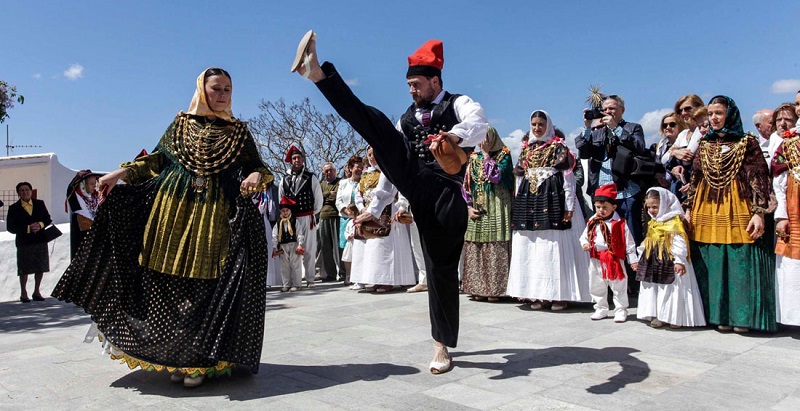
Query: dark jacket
x,y
592,146
18,220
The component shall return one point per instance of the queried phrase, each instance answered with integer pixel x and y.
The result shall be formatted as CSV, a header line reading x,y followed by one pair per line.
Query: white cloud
x,y
514,143
74,72
37,76
353,82
651,123
571,139
786,86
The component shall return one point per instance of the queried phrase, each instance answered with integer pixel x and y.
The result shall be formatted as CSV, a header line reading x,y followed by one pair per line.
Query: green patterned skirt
x,y
495,224
737,282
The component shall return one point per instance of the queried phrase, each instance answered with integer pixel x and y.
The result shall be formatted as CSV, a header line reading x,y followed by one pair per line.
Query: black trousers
x,y
439,207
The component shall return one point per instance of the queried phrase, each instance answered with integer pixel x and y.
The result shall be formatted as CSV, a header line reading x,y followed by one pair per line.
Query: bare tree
x,y
323,137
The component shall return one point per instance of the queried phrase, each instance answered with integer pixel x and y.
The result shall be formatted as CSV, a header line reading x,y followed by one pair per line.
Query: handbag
x,y
627,164
378,227
405,218
51,233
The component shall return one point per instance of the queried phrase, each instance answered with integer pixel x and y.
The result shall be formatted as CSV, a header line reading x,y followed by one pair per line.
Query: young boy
x,y
608,240
289,246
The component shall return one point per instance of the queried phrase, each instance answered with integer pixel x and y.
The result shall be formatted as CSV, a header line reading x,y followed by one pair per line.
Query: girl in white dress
x,y
668,292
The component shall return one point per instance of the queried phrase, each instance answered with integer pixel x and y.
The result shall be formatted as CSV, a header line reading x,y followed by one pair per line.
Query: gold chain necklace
x,y
791,153
536,158
207,149
720,168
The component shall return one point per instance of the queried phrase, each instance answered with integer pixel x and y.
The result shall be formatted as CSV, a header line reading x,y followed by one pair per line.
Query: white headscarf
x,y
549,132
668,206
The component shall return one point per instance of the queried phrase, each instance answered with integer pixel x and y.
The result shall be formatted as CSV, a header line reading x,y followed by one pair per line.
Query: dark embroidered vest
x,y
286,237
304,196
443,118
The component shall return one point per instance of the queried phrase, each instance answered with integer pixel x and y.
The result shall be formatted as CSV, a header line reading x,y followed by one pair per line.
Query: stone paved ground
x,y
337,349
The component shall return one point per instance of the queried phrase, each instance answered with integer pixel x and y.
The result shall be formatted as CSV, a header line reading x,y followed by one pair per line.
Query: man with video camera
x,y
616,152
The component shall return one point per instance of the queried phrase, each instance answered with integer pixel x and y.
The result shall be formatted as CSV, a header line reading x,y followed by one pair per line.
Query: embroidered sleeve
x,y
753,178
251,162
694,180
506,172
491,170
563,158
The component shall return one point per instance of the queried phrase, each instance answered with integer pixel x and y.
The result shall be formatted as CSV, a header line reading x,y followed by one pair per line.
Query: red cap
x,y
287,202
293,149
428,60
606,192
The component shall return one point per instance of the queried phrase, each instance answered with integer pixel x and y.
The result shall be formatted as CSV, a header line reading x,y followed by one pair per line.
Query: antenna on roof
x,y
9,147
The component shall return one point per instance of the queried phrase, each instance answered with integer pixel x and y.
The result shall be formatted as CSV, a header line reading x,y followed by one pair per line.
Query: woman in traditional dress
x,y
547,263
669,293
383,262
487,243
173,270
786,183
82,199
27,219
726,200
345,196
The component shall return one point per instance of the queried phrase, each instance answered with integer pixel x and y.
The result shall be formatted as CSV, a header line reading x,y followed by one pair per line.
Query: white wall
x,y
9,281
46,174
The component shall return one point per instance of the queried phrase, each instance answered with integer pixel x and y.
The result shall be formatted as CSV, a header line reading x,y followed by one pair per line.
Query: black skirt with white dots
x,y
162,321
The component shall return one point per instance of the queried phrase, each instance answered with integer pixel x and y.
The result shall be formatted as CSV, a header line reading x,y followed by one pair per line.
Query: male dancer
x,y
404,154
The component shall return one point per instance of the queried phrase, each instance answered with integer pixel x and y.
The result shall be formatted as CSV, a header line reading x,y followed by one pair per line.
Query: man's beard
x,y
421,102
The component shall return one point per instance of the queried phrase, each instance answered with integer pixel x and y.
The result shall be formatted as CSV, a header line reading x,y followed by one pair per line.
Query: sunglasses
x,y
687,109
672,124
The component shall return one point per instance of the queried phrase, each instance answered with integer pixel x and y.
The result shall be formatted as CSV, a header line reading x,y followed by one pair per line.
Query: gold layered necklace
x,y
536,157
369,180
721,166
791,153
477,175
207,149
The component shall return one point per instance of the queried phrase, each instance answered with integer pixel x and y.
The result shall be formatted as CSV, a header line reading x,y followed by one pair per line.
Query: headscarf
x,y
669,205
493,138
665,226
77,186
733,120
549,132
199,105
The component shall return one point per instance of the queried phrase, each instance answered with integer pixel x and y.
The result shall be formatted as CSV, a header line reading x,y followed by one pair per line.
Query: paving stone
x,y
335,349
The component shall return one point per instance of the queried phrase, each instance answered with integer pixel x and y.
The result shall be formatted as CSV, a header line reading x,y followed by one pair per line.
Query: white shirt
x,y
472,124
600,241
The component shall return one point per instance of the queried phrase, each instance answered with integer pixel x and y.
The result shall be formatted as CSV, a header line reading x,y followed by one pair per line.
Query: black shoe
x,y
38,297
24,299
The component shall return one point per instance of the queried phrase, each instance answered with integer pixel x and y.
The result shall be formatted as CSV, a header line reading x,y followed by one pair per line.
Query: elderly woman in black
x,y
27,218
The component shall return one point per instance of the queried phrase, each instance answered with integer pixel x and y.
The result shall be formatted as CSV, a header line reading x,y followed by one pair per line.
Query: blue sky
x,y
103,79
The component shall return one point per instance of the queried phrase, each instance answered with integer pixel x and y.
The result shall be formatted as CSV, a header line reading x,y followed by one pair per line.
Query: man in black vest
x,y
403,153
303,188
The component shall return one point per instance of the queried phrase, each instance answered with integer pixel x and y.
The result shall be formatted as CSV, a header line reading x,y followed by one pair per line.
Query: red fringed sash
x,y
610,258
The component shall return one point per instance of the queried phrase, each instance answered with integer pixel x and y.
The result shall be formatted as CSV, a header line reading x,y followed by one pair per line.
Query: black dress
x,y
32,255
